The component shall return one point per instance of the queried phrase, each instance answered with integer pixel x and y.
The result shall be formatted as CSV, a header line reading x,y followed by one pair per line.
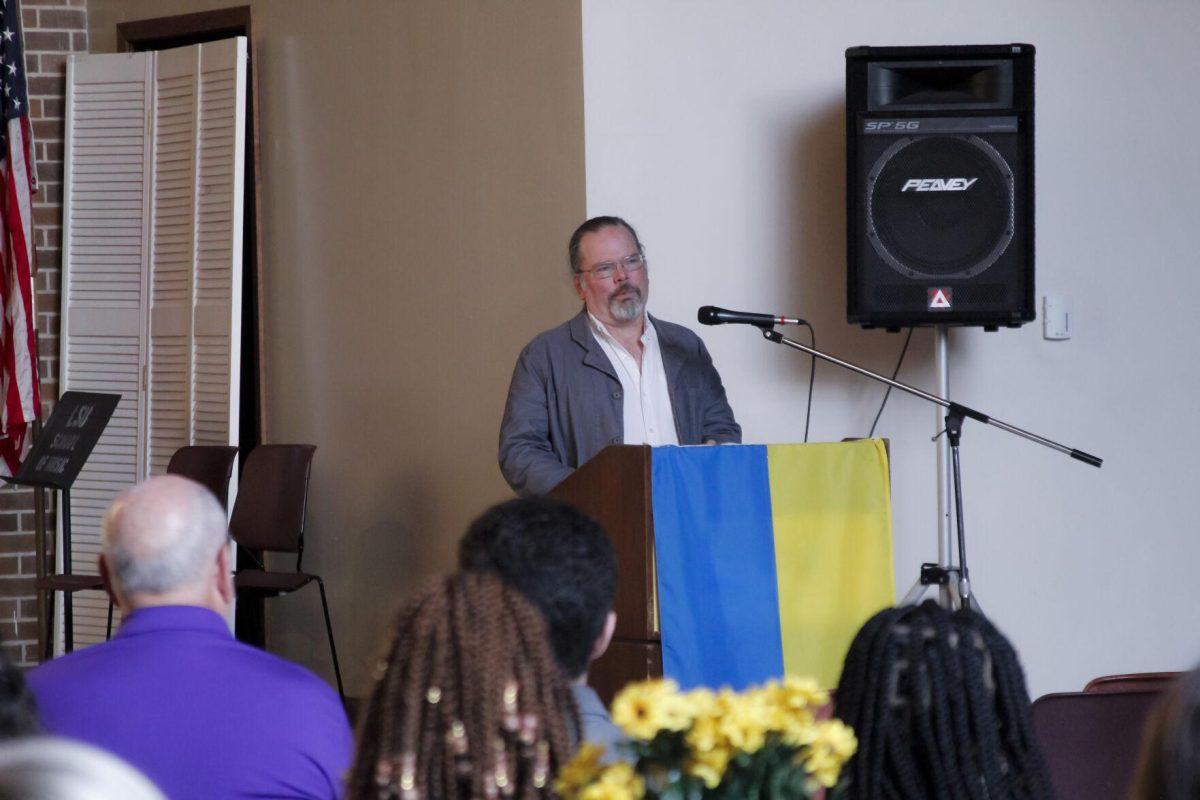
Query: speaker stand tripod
x,y
952,580
942,574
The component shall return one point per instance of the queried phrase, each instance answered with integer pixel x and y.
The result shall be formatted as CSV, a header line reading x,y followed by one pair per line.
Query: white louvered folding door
x,y
169,265
105,265
173,229
221,140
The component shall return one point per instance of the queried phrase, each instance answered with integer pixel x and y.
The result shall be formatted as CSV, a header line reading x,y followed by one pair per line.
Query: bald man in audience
x,y
173,693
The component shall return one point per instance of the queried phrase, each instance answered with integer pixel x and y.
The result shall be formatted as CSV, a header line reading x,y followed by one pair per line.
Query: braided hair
x,y
468,700
939,705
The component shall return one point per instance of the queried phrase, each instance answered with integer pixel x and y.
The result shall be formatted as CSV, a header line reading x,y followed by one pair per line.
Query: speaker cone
x,y
940,206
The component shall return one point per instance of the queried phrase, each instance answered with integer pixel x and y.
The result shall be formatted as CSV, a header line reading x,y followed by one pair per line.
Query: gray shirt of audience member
x,y
598,727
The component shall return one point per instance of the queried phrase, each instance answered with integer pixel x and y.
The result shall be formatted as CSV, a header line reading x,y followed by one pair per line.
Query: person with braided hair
x,y
939,705
468,700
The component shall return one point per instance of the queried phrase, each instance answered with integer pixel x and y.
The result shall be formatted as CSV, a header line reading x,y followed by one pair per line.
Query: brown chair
x,y
1134,681
69,582
268,516
210,466
1091,741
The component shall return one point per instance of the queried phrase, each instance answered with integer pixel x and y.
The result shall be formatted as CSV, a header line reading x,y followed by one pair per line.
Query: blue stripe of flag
x,y
715,550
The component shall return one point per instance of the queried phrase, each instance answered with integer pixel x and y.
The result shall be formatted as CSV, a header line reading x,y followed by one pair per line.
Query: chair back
x,y
1134,681
208,465
272,497
1091,741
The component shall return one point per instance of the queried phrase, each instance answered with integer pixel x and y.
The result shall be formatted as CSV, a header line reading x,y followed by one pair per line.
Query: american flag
x,y
18,174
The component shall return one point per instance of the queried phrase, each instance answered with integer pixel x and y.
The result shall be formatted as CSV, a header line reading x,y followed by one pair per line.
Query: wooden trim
x,y
260,296
141,33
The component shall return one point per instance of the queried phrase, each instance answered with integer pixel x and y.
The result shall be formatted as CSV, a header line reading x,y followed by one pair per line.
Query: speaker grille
x,y
940,206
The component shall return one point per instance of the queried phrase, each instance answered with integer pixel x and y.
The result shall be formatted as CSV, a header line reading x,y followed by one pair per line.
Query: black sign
x,y
67,440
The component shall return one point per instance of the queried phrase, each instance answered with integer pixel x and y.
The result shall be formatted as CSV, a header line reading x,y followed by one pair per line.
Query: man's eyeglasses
x,y
629,264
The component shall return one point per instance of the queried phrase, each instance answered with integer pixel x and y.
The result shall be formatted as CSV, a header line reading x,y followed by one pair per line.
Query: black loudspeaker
x,y
939,185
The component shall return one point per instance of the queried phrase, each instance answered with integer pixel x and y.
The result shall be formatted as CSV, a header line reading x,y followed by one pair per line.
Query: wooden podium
x,y
614,489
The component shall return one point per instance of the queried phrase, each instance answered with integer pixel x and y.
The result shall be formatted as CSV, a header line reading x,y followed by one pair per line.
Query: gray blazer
x,y
564,403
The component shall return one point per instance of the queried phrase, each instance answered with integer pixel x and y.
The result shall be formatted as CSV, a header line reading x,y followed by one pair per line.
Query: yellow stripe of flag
x,y
831,509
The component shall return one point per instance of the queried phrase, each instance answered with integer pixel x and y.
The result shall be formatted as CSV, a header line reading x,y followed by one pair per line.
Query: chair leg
x,y
108,630
337,671
68,623
48,653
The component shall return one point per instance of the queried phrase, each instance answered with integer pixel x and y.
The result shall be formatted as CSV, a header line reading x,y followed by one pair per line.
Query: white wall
x,y
717,129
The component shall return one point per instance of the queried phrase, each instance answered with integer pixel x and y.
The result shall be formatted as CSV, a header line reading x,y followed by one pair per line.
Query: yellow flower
x,y
746,719
643,709
717,727
709,766
705,734
799,730
705,711
617,782
838,737
802,693
581,770
699,702
832,745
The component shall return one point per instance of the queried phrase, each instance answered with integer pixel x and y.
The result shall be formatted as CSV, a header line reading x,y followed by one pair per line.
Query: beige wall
x,y
422,166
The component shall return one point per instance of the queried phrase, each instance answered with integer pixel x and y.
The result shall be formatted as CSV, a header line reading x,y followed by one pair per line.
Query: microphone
x,y
711,315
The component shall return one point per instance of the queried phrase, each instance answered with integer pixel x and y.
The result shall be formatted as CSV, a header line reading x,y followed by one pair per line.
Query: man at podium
x,y
612,374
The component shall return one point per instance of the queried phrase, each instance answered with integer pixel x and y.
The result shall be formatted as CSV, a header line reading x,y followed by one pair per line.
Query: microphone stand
x,y
954,578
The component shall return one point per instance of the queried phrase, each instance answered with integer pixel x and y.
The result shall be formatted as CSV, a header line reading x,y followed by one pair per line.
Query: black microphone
x,y
711,315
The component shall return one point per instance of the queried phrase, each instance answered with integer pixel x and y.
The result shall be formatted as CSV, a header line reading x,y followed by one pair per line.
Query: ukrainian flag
x,y
769,558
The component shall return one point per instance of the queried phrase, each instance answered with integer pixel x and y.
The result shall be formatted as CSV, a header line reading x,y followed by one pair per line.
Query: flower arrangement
x,y
764,742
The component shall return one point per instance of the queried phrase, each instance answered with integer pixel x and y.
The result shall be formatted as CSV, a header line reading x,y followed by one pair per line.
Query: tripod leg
x,y
933,575
952,593
964,575
915,594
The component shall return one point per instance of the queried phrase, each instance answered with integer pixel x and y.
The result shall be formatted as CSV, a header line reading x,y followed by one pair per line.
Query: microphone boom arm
x,y
775,336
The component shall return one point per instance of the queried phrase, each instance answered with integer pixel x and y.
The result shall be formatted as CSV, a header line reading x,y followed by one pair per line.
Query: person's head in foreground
x,y
939,705
201,714
164,545
42,768
468,701
561,560
1169,767
18,714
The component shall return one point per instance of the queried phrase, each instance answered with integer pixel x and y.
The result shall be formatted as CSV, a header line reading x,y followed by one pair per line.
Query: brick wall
x,y
53,30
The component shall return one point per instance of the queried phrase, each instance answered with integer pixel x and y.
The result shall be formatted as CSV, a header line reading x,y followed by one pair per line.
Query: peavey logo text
x,y
938,184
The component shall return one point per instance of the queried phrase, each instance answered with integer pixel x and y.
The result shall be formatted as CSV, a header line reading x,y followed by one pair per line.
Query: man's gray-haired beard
x,y
627,308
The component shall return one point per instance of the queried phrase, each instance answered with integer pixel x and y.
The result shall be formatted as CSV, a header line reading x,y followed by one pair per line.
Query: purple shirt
x,y
201,714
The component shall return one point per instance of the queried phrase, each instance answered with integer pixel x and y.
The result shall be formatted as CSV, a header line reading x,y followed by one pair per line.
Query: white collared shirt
x,y
649,418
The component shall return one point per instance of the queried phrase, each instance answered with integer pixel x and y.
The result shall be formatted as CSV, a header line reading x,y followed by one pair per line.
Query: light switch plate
x,y
1056,317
